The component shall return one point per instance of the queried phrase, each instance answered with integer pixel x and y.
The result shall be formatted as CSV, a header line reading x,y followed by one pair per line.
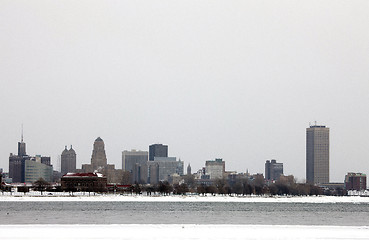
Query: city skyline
x,y
317,132
237,80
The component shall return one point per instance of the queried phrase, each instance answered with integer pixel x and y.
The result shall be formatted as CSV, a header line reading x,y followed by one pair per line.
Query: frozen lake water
x,y
184,231
175,217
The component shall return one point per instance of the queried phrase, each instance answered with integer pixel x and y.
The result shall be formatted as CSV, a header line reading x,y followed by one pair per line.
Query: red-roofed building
x,y
84,182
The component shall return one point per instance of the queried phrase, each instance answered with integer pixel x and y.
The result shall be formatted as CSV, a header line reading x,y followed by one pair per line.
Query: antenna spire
x,y
22,134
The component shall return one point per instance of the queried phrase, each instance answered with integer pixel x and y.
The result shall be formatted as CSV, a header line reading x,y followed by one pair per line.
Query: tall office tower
x,y
22,146
317,154
98,158
157,150
133,157
68,161
273,170
17,162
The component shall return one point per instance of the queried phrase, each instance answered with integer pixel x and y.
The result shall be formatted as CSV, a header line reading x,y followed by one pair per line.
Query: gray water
x,y
339,214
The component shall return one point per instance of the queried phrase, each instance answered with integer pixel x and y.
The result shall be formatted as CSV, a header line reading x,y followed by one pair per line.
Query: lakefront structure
x,y
317,154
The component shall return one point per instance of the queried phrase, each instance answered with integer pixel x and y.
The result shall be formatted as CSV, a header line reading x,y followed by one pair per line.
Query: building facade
x,y
317,154
273,170
133,157
34,169
68,161
99,164
355,181
157,150
88,182
161,169
215,168
98,158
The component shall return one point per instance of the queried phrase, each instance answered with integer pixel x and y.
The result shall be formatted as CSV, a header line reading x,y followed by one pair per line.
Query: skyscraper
x,y
68,161
317,154
133,161
157,150
133,157
99,163
17,162
98,158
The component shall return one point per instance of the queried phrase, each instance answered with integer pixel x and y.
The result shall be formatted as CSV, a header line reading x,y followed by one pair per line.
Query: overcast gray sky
x,y
238,80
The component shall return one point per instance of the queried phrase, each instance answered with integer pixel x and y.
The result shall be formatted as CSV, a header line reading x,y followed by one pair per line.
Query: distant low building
x,y
87,182
161,169
355,181
215,169
273,170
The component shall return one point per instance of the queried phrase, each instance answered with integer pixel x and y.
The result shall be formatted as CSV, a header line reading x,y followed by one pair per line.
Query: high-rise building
x,y
157,150
17,162
273,170
133,157
317,154
99,163
98,158
68,161
133,161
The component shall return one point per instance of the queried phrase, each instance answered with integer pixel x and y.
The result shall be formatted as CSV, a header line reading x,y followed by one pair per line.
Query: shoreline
x,y
179,198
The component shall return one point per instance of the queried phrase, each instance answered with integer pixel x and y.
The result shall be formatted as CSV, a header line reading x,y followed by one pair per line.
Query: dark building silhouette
x,y
68,161
157,150
273,170
89,182
17,167
189,169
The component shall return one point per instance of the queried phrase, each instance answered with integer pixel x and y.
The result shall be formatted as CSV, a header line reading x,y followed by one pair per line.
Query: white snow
x,y
36,196
181,231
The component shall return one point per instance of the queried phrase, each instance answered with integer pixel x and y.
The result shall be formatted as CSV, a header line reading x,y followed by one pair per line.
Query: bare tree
x,y
40,185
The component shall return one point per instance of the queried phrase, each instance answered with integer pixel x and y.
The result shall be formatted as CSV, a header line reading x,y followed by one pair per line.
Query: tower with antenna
x,y
22,146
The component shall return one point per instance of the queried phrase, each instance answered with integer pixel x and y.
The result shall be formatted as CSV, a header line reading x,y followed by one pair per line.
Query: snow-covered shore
x,y
175,198
181,231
